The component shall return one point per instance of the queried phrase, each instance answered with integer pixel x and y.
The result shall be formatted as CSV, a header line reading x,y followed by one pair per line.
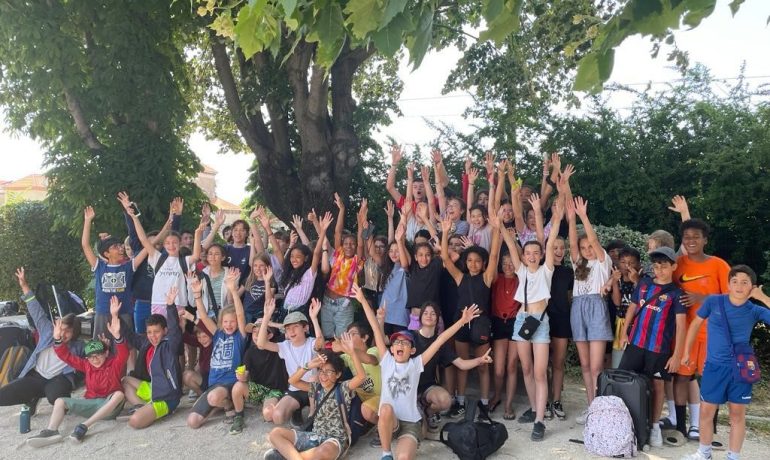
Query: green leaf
x,y
389,40
735,5
328,52
593,70
419,43
289,6
247,31
363,16
392,9
699,9
330,24
506,22
491,9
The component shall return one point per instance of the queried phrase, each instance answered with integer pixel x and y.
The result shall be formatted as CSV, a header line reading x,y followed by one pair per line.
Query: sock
x,y
385,453
681,419
414,322
485,401
672,415
461,400
733,455
239,413
705,450
695,415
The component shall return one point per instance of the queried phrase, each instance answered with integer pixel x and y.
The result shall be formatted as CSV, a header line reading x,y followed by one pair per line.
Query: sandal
x,y
509,416
666,424
693,434
493,406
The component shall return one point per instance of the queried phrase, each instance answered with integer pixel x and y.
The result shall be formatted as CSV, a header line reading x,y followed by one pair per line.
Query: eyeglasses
x,y
402,342
327,372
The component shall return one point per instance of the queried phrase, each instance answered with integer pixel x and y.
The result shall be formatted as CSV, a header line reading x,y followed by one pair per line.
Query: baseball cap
x,y
294,317
94,347
107,243
402,335
664,251
251,327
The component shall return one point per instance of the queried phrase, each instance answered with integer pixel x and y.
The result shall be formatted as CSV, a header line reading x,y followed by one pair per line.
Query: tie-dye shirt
x,y
344,271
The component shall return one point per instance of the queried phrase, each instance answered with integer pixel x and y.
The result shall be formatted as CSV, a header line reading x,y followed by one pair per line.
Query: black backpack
x,y
471,440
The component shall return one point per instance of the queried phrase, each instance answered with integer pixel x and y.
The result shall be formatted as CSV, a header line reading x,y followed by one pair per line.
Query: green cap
x,y
93,347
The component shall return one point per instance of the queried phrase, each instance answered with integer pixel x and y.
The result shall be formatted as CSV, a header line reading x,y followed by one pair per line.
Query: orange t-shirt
x,y
707,277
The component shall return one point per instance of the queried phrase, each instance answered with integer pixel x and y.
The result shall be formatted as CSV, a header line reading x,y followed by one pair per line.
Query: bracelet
x,y
550,182
325,250
304,366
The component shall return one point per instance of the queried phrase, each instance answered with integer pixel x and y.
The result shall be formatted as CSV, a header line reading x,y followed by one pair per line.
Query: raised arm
x,y
295,379
390,184
197,288
85,239
574,250
340,226
500,185
379,336
390,211
581,209
441,198
148,245
363,224
518,211
231,281
473,174
679,205
469,313
219,219
557,215
323,226
534,201
454,272
513,248
262,341
442,178
198,236
494,249
315,308
296,222
431,217
359,374
404,258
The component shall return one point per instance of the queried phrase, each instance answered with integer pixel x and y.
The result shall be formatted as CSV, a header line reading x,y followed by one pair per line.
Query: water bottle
x,y
24,417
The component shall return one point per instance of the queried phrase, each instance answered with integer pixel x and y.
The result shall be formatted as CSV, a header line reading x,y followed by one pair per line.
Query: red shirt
x,y
503,289
100,381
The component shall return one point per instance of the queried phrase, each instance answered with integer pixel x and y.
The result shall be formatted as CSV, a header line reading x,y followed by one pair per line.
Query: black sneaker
x,y
273,454
548,411
538,432
457,410
78,433
558,410
527,417
375,442
483,412
44,438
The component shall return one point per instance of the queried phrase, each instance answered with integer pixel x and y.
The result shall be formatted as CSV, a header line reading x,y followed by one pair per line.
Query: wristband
x,y
550,182
304,366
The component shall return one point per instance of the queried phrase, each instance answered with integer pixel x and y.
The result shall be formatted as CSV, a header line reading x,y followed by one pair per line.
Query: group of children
x,y
236,323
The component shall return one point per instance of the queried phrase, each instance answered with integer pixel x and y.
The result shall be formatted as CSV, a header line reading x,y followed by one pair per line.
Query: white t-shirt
x,y
168,275
538,284
399,386
48,364
296,357
599,273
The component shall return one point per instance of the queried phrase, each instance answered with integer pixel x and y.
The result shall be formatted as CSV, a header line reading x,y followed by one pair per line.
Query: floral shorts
x,y
260,393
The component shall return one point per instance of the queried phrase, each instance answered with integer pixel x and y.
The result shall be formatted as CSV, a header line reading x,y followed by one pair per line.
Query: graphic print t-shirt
x,y
225,357
399,386
113,280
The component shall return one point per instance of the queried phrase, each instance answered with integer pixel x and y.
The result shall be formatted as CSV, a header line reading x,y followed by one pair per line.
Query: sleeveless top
x,y
472,289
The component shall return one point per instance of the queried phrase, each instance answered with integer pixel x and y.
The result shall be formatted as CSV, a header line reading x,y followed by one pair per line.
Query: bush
x,y
27,239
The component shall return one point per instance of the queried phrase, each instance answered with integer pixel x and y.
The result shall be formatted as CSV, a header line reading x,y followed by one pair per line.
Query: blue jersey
x,y
654,328
226,356
742,319
113,280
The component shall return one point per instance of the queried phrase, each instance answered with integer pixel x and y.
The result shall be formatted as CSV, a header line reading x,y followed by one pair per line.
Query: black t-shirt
x,y
423,283
626,291
443,358
266,368
561,284
448,295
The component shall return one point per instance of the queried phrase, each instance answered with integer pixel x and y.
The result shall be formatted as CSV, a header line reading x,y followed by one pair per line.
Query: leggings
x,y
34,386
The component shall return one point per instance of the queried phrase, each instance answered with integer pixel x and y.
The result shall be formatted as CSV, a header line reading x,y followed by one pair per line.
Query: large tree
x,y
101,86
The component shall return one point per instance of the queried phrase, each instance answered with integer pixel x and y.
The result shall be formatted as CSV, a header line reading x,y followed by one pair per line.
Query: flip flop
x,y
673,438
509,416
492,407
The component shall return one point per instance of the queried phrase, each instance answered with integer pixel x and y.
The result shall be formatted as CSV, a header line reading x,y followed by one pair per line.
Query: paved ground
x,y
171,439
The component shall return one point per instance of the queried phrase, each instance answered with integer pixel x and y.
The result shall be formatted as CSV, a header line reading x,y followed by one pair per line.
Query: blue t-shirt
x,y
654,328
394,297
226,355
742,319
239,258
113,280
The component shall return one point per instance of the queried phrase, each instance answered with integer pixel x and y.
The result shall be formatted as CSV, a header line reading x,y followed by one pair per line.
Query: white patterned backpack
x,y
609,428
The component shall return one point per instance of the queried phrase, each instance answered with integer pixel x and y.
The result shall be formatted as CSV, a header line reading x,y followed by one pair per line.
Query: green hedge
x,y
27,239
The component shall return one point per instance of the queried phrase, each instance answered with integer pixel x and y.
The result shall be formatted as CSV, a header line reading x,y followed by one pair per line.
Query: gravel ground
x,y
171,439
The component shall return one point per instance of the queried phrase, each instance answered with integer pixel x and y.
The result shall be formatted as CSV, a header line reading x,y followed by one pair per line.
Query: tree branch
x,y
81,124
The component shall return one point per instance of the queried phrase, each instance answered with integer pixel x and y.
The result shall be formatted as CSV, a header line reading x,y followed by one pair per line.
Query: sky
x,y
722,43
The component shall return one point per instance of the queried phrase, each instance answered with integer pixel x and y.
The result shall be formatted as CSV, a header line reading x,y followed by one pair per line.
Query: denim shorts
x,y
306,440
590,319
336,315
541,335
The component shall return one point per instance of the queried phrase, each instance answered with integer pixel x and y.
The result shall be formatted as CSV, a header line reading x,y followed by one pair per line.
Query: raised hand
x,y
296,222
194,283
381,312
570,210
57,329
473,174
219,218
569,170
494,219
468,164
264,219
395,154
312,216
679,205
338,201
89,214
400,232
436,156
22,280
316,362
171,294
346,342
114,325
269,308
469,314
558,209
446,225
325,222
390,209
511,171
268,275
410,170
359,293
466,242
115,305
534,201
555,162
315,307
489,162
124,200
293,237
581,207
425,172
231,278
177,204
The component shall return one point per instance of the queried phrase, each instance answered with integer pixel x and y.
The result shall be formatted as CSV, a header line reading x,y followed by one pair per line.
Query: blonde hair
x,y
581,267
224,312
663,238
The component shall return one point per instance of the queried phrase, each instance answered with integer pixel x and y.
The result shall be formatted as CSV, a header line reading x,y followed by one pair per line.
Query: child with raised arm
x,y
731,319
590,317
533,292
474,284
103,398
159,350
113,275
226,356
329,438
296,351
400,373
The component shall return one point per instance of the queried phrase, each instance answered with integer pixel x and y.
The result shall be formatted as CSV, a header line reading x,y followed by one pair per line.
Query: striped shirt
x,y
654,326
299,294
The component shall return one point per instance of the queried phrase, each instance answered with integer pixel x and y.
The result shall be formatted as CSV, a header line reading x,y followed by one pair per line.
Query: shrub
x,y
27,239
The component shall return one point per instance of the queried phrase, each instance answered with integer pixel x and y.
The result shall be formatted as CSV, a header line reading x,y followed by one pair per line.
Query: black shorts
x,y
201,406
301,397
502,328
464,334
645,362
561,328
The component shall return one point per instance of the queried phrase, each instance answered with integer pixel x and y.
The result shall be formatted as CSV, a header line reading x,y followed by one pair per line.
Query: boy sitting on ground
x,y
103,398
160,347
202,339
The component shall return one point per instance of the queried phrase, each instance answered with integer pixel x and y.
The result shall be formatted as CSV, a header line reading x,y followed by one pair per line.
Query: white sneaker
x,y
696,456
581,419
656,437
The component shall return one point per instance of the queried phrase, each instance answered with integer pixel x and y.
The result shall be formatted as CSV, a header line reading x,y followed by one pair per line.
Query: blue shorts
x,y
541,335
718,387
590,319
306,440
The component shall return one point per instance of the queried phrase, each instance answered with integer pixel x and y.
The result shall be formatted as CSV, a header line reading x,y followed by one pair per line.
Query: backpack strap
x,y
344,411
210,289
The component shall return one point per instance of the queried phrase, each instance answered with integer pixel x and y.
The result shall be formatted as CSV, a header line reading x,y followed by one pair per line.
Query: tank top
x,y
472,289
